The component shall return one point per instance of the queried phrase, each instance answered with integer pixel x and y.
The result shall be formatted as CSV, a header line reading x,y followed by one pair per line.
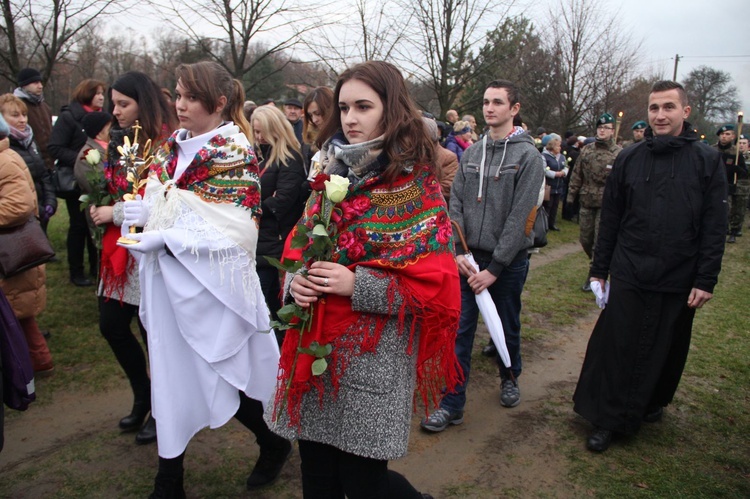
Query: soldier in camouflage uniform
x,y
737,180
639,130
589,177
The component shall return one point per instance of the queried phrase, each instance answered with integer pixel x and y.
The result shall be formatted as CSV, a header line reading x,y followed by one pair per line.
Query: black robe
x,y
661,234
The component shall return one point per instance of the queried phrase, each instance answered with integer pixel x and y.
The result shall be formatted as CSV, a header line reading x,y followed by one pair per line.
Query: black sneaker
x,y
269,464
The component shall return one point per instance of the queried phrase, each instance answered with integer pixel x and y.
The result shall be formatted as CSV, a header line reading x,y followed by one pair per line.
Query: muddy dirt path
x,y
496,452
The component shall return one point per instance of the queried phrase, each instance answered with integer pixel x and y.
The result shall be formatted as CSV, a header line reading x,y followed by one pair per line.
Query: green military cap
x,y
725,128
639,125
605,119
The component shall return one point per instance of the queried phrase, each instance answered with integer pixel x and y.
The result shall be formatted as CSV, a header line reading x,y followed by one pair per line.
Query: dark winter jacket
x,y
282,204
664,215
42,176
555,164
735,172
68,136
40,120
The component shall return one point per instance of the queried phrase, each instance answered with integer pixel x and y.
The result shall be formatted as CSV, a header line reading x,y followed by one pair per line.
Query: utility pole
x,y
676,61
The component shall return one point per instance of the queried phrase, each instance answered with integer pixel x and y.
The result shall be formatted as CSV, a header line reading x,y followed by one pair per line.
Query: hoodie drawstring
x,y
481,168
481,165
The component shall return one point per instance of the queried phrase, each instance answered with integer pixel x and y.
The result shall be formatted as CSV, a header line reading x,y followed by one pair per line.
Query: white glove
x,y
147,242
136,212
602,295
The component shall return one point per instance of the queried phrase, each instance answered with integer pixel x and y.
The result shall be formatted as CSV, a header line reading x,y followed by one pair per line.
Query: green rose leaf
x,y
288,312
299,241
319,367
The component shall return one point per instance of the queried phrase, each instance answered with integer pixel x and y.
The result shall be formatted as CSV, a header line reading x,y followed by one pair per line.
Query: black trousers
x,y
79,240
114,324
271,287
330,473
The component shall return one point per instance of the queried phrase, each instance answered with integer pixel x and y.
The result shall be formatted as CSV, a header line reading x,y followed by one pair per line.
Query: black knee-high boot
x,y
168,483
274,450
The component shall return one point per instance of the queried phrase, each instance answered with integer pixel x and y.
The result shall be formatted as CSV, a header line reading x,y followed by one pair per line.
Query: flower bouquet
x,y
99,194
315,239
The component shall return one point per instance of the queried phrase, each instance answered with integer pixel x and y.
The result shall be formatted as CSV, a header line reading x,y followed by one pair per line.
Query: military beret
x,y
639,125
725,128
605,119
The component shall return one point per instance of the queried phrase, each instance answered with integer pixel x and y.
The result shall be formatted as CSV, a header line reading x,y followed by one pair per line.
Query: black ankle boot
x,y
134,420
270,462
147,433
168,487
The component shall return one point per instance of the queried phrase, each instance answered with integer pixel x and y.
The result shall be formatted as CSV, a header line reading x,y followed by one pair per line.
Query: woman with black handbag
x,y
64,144
26,290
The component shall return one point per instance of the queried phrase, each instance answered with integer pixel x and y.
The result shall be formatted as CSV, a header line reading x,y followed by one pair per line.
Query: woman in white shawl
x,y
211,357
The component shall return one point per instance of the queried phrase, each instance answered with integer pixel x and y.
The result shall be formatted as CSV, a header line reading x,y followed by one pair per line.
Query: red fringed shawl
x,y
402,232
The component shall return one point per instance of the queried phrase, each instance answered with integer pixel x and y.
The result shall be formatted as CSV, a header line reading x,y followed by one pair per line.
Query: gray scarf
x,y
338,157
23,94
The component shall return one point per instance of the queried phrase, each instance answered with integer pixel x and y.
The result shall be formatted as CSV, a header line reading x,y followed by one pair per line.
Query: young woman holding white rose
x,y
387,304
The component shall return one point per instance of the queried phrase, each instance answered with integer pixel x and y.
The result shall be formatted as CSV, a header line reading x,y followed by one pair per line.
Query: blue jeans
x,y
506,293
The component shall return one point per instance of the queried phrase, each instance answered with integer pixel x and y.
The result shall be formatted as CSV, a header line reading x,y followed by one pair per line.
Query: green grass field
x,y
702,449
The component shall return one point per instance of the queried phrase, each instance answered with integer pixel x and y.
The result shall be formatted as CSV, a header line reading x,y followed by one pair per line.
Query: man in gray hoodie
x,y
494,200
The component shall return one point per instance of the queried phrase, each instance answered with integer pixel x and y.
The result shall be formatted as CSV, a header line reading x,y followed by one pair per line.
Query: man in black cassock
x,y
661,241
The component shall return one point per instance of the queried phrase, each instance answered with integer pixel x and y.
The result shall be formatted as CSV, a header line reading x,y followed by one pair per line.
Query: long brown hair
x,y
208,81
404,134
323,97
155,113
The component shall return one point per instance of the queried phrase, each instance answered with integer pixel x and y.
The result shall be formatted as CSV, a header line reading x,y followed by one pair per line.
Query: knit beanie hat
x,y
27,76
94,122
4,128
549,138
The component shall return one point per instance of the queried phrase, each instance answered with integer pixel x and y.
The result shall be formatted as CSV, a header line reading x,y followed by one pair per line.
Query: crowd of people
x,y
190,246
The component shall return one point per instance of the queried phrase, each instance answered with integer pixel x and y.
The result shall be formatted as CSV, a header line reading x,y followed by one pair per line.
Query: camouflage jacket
x,y
590,174
736,173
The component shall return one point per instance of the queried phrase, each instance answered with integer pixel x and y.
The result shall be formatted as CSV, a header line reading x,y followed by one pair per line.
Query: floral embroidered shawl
x,y
404,230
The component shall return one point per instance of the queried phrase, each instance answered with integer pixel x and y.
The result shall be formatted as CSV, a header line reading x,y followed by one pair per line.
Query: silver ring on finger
x,y
325,281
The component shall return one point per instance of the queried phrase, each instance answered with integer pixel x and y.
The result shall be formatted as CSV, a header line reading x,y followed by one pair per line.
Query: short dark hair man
x,y
293,113
661,241
493,198
738,184
30,90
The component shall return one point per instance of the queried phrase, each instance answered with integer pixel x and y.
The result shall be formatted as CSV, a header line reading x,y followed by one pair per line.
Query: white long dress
x,y
204,310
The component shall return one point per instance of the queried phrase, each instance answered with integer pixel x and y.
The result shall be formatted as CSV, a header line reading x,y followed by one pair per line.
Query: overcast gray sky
x,y
702,32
